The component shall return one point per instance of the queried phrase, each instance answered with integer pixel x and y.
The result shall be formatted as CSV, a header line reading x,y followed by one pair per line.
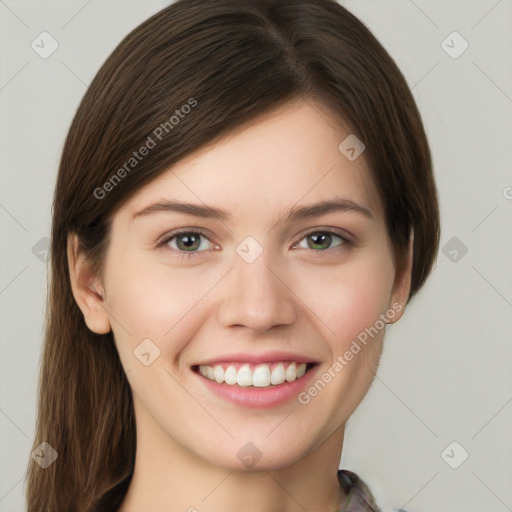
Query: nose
x,y
257,295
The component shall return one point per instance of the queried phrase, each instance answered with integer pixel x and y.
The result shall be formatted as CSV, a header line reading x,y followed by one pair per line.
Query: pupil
x,y
189,241
318,239
323,236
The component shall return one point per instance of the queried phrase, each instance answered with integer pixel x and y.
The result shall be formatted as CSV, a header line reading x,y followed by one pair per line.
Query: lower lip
x,y
259,398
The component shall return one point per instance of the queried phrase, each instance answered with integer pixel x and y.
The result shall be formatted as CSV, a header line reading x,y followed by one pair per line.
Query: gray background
x,y
446,371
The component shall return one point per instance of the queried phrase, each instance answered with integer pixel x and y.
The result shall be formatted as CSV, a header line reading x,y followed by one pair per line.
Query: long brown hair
x,y
229,61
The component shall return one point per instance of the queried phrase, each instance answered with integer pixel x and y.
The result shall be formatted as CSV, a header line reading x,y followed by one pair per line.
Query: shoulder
x,y
359,496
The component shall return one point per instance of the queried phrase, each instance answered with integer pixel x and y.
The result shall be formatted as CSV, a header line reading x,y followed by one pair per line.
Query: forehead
x,y
287,157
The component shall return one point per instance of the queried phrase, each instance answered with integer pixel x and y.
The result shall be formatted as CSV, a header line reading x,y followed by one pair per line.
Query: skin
x,y
311,300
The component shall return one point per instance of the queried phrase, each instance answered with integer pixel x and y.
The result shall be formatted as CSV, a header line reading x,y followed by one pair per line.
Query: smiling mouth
x,y
262,375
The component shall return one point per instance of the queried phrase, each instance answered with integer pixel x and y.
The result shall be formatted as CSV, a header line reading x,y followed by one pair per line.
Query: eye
x,y
186,243
321,241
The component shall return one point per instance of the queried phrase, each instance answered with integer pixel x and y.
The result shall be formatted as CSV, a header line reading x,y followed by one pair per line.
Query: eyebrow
x,y
293,215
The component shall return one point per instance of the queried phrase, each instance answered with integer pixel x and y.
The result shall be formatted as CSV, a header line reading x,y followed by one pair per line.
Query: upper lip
x,y
266,357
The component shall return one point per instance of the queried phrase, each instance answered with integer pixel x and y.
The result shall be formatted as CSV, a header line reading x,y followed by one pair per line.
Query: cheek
x,y
348,298
155,302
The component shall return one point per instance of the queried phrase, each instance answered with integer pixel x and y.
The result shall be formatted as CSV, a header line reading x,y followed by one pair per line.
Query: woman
x,y
245,199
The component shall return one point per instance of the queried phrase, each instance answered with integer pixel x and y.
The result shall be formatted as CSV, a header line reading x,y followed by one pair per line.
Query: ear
x,y
87,288
402,284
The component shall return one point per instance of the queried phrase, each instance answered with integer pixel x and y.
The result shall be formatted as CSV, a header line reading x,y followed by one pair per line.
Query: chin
x,y
259,455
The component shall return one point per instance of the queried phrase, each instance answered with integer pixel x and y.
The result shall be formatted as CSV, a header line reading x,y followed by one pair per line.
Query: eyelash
x,y
184,254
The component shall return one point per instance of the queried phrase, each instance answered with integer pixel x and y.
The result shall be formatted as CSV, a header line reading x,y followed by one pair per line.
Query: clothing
x,y
359,497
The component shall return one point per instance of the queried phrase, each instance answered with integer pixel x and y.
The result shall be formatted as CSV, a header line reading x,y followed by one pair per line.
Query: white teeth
x,y
230,375
277,376
244,376
301,370
218,373
261,376
291,373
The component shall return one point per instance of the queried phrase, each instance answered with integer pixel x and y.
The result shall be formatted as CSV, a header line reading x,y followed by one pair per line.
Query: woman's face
x,y
264,279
